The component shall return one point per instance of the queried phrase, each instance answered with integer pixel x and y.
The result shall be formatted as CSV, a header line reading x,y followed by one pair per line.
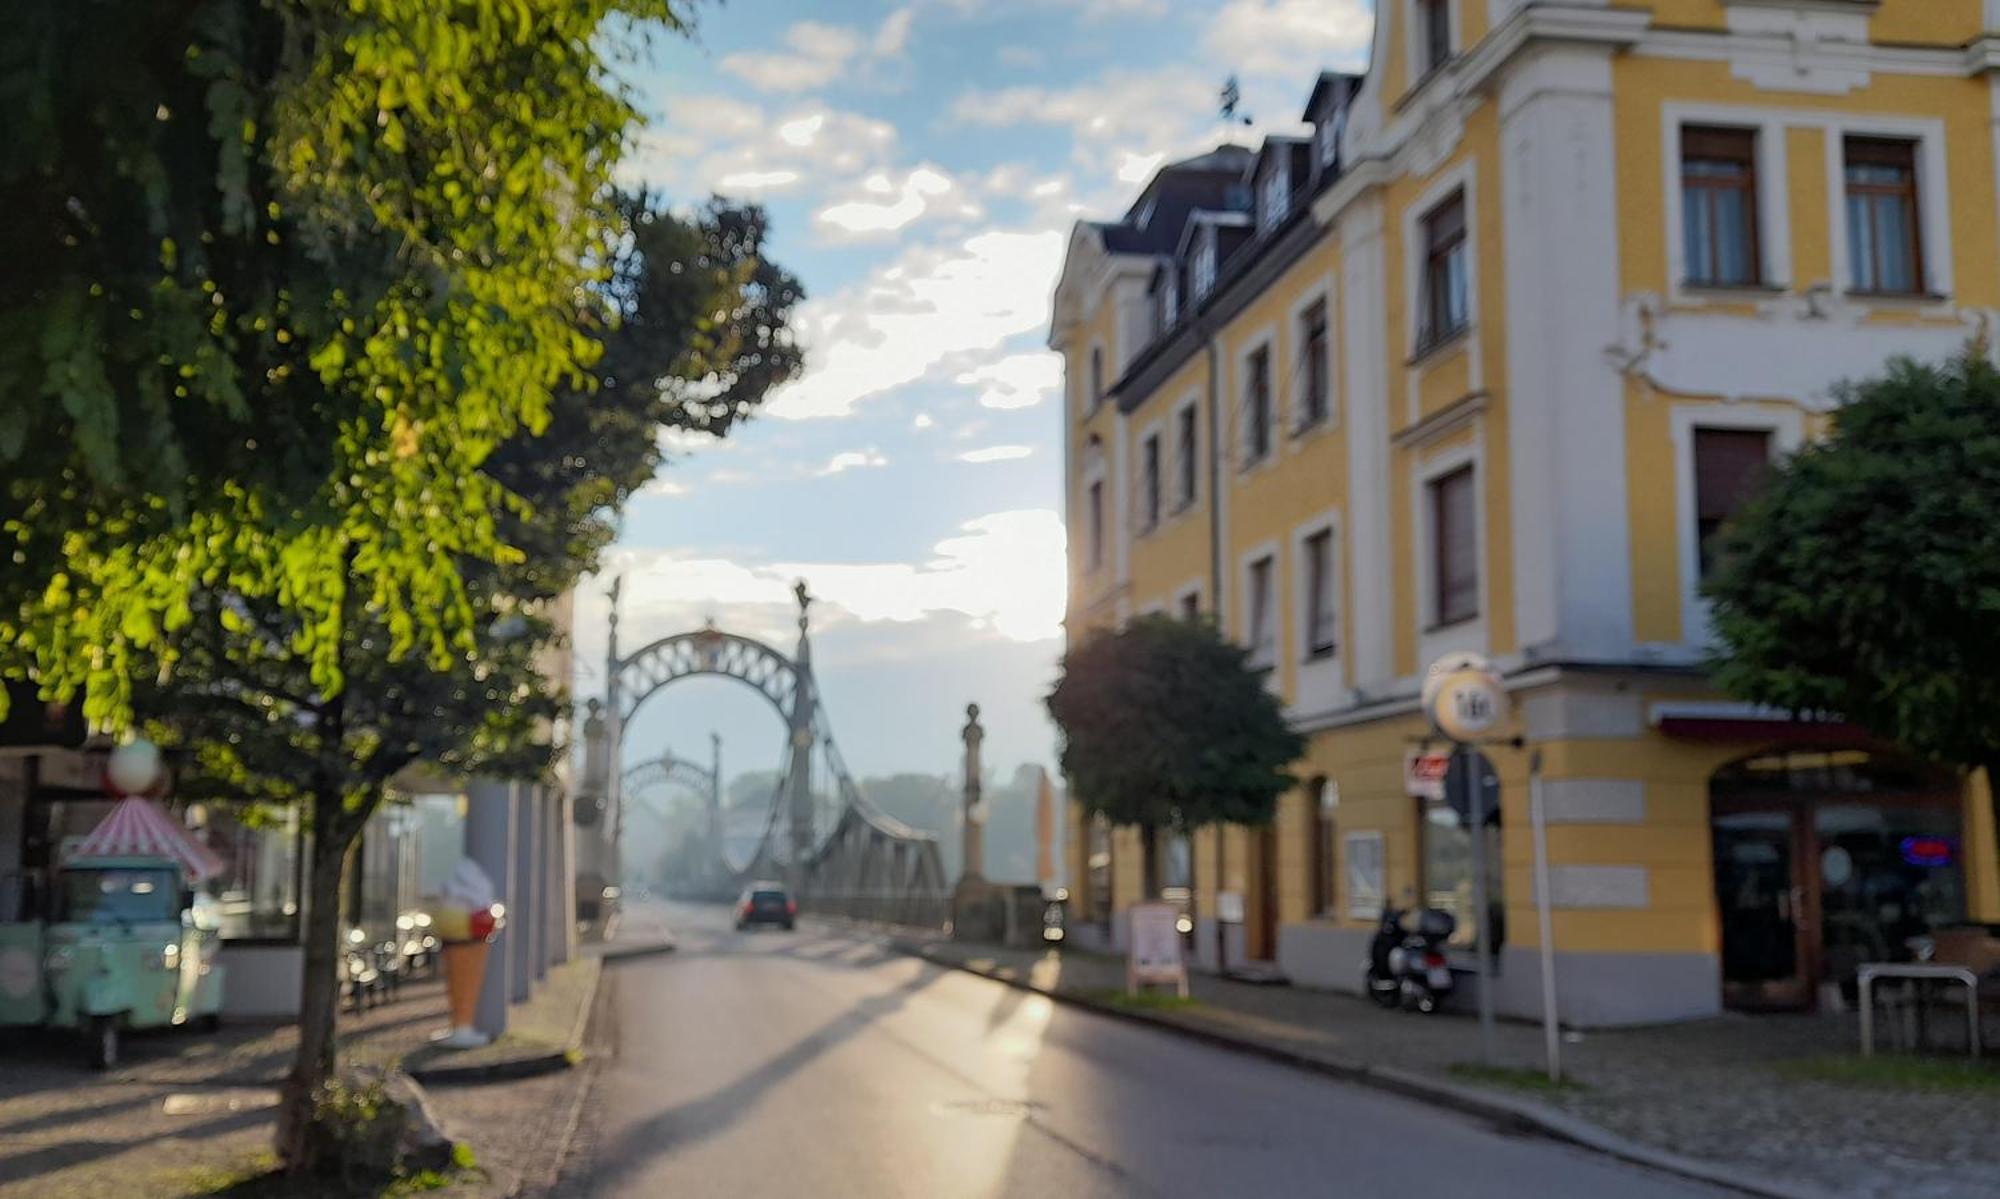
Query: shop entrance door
x,y
1763,899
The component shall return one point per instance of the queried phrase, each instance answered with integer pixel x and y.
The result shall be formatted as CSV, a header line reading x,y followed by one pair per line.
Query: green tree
x,y
281,274
1863,580
241,698
1166,725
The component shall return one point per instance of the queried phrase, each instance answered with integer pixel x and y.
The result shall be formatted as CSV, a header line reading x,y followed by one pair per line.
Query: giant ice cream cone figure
x,y
466,917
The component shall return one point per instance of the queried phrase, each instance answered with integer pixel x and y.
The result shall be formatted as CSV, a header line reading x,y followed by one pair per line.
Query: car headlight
x,y
61,958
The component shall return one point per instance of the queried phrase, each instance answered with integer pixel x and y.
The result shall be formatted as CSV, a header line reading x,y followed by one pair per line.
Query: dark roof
x,y
1177,189
1324,86
1220,218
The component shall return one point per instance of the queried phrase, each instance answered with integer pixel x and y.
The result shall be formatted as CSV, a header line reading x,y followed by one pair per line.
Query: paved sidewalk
x,y
186,1110
1742,1092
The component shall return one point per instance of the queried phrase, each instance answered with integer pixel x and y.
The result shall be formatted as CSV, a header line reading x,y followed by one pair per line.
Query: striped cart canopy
x,y
138,828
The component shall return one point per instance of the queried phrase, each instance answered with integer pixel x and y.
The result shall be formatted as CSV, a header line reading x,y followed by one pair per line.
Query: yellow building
x,y
1480,361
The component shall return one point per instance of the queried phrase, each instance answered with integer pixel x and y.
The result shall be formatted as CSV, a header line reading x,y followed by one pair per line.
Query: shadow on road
x,y
695,1121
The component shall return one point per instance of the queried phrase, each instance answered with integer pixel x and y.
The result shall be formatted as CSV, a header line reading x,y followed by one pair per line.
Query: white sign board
x,y
1155,955
1229,907
1423,774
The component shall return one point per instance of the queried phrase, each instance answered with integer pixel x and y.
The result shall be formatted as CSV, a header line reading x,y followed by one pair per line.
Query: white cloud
x,y
923,421
1006,571
1288,40
1142,110
819,54
925,306
666,487
848,460
1137,168
894,34
997,453
757,181
1016,381
714,143
880,205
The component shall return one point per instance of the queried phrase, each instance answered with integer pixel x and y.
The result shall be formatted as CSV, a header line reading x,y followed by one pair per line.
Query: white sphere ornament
x,y
134,767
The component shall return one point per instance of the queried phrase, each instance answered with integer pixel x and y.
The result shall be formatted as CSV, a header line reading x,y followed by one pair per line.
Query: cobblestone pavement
x,y
1715,1089
185,1107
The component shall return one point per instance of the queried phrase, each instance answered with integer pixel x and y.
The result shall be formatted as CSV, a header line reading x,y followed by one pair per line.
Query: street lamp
x,y
133,768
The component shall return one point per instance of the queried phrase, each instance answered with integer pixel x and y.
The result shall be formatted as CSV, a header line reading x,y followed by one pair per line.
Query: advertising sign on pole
x,y
1155,954
1423,774
1466,701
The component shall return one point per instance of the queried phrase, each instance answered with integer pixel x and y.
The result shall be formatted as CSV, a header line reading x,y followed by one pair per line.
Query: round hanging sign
x,y
1464,697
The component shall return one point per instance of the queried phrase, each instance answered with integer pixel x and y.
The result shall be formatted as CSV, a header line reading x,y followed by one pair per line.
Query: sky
x,y
922,163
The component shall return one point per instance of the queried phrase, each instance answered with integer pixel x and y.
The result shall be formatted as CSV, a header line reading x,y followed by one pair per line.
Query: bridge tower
x,y
799,775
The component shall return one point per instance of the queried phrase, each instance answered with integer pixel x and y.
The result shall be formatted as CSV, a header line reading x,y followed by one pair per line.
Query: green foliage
x,y
1520,1078
1864,579
1897,1072
1166,726
698,336
281,275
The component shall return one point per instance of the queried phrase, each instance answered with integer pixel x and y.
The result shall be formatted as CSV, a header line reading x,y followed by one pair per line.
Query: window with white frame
x,y
1729,463
1327,134
1366,872
1318,618
1315,402
1171,303
1257,405
1276,200
1446,301
1454,547
1149,481
1719,206
1885,247
1434,33
1096,377
1263,597
1187,461
1202,271
1191,605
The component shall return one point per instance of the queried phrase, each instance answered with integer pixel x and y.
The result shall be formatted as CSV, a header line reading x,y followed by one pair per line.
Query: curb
x,y
1514,1114
556,1058
647,949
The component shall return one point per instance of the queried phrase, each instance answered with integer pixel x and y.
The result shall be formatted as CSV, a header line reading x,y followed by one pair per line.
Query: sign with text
x,y
1155,954
1423,774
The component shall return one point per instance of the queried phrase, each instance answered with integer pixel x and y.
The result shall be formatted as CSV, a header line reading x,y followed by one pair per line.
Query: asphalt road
x,y
810,1065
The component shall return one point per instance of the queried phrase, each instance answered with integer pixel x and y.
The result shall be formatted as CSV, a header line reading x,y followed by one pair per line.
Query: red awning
x,y
138,828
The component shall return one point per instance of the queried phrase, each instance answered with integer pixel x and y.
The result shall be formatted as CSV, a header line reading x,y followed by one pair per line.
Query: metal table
x,y
1868,975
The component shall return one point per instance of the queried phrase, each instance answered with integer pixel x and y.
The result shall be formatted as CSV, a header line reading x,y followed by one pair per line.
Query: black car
x,y
766,903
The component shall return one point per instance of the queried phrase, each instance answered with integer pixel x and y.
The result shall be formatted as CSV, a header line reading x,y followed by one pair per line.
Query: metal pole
x,y
1545,921
1482,922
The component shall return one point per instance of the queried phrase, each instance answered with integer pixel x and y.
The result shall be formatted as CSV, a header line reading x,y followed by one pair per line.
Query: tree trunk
x,y
319,987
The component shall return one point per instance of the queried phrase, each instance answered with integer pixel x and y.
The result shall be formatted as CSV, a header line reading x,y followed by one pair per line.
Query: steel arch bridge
x,y
839,853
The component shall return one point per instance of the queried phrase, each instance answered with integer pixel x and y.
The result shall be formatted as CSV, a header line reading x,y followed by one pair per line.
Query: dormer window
x,y
1202,272
1170,299
1328,136
1275,201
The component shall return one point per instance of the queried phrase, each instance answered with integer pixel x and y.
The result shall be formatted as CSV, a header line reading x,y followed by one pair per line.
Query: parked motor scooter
x,y
1406,964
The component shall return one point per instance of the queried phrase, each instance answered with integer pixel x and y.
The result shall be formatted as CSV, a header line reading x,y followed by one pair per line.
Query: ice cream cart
x,y
125,942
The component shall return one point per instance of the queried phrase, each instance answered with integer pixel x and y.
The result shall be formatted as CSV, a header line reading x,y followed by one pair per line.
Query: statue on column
x,y
974,916
975,808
